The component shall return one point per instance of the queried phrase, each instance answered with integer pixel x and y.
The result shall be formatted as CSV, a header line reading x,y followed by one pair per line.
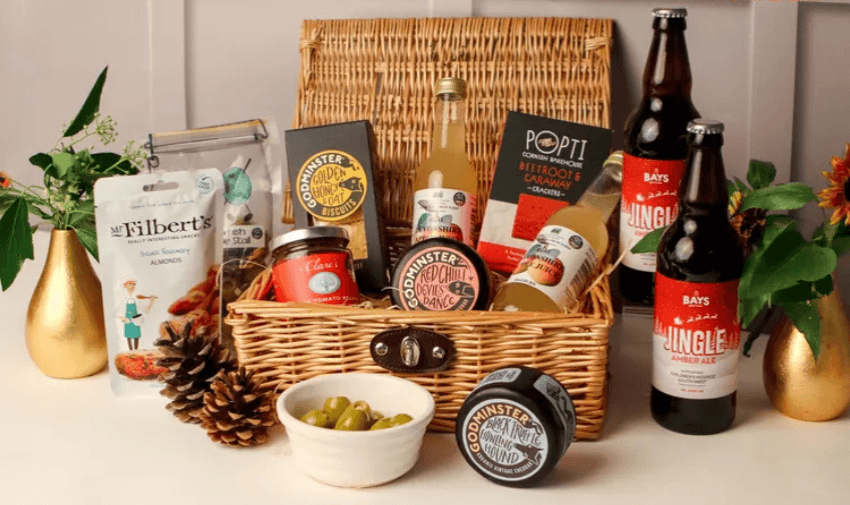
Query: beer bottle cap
x,y
451,85
670,13
705,127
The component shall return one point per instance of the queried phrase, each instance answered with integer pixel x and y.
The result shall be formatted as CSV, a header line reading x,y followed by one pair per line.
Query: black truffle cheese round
x,y
515,425
441,274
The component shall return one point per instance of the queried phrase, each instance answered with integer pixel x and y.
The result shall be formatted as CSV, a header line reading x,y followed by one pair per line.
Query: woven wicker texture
x,y
384,71
288,343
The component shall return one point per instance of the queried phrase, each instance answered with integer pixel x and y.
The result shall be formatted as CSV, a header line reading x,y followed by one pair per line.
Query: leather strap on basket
x,y
412,350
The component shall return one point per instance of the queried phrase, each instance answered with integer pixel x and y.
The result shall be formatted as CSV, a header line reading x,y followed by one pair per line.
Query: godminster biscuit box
x,y
544,164
332,184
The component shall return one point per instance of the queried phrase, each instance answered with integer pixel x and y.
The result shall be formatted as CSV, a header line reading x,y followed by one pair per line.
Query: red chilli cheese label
x,y
695,338
650,201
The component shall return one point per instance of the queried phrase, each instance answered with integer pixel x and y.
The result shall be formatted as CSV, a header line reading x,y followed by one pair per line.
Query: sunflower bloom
x,y
735,202
5,180
837,195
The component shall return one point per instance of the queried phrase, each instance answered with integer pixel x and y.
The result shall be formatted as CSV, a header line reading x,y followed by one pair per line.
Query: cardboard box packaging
x,y
544,164
332,183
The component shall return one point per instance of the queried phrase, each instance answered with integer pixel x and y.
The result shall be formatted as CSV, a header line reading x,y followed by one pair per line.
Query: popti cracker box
x,y
544,164
332,183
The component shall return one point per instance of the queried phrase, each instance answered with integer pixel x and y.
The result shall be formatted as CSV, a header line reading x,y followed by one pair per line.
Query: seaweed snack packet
x,y
241,152
158,236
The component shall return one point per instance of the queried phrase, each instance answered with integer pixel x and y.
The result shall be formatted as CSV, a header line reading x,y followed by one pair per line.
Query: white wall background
x,y
775,71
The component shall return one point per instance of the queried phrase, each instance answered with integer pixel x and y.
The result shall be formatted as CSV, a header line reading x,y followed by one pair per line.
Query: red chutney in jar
x,y
314,265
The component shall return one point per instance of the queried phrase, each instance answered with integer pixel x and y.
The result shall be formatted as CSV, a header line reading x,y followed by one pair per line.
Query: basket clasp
x,y
412,350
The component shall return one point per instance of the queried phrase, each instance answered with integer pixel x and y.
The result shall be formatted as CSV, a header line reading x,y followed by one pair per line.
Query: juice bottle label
x,y
443,212
650,201
319,278
559,264
695,339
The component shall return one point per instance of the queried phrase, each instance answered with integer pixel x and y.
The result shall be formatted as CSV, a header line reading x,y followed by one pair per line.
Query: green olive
x,y
400,419
316,418
382,424
352,420
361,405
335,406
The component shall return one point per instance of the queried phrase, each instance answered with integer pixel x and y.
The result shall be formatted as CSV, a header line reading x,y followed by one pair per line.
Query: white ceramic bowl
x,y
356,458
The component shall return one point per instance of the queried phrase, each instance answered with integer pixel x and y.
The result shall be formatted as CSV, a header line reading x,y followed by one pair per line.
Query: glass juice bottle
x,y
446,184
561,262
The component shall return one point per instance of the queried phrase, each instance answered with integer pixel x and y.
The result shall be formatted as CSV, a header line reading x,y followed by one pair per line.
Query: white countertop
x,y
72,441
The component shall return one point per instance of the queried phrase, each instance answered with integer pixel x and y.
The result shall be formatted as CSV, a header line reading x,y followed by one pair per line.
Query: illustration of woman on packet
x,y
131,316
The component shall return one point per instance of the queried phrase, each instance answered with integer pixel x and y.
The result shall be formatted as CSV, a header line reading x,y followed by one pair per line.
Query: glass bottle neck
x,y
603,194
703,189
449,124
668,69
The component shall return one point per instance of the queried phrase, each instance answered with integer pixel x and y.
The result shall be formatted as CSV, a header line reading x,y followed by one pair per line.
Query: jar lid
x,y
705,127
670,13
451,86
312,233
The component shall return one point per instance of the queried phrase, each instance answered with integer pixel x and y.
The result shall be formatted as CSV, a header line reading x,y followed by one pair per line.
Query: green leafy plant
x,y
782,268
67,198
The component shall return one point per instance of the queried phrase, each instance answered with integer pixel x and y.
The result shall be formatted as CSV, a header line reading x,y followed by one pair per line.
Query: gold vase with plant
x,y
64,328
807,361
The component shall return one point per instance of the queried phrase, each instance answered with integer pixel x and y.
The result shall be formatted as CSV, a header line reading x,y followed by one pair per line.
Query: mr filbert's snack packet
x,y
160,250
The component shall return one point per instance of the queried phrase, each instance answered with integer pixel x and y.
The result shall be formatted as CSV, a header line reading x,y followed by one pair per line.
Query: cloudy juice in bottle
x,y
561,262
446,185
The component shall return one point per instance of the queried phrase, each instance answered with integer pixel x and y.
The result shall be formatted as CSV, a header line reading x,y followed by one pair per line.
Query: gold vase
x,y
799,386
65,332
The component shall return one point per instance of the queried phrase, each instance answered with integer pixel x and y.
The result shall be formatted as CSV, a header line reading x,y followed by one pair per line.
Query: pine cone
x,y
192,361
236,412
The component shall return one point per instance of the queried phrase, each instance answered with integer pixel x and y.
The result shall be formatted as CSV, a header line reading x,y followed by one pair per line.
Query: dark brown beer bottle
x,y
655,149
696,334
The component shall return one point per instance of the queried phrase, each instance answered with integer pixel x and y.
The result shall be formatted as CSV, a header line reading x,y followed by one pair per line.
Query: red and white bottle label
x,y
443,212
650,201
695,339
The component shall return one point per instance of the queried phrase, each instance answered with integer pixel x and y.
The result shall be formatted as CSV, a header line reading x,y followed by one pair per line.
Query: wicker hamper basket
x,y
384,71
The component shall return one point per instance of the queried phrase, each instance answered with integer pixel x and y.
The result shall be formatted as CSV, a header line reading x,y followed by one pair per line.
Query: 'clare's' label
x,y
332,185
696,337
443,212
319,278
650,201
505,440
439,278
559,264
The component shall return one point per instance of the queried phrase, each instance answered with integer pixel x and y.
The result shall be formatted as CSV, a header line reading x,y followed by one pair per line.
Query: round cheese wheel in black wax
x,y
515,425
441,274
